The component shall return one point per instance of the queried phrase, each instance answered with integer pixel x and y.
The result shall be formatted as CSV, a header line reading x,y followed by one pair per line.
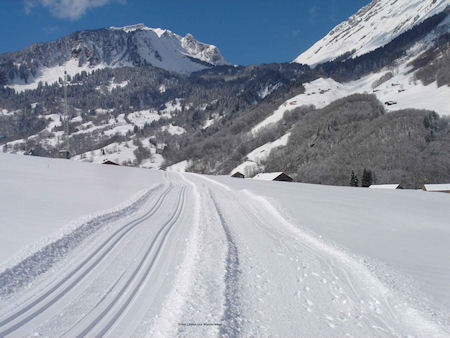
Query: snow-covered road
x,y
200,257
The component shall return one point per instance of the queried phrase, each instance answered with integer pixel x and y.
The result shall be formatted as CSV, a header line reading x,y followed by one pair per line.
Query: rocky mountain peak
x,y
134,45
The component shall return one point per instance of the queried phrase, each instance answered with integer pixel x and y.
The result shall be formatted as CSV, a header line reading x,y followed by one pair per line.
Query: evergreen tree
x,y
3,79
366,180
354,182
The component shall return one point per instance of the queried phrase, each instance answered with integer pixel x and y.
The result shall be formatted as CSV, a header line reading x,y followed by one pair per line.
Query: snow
x,y
53,74
138,26
390,230
53,195
384,186
112,85
208,123
5,112
373,26
54,121
101,111
180,166
155,162
268,89
256,157
121,130
141,117
56,139
213,119
172,107
76,119
192,255
173,130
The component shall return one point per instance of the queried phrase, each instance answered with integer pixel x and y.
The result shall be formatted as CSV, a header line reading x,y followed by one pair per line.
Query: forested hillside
x,y
410,147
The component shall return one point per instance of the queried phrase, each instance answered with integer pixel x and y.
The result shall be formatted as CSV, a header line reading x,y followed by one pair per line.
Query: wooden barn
x,y
109,162
386,186
437,187
279,176
237,174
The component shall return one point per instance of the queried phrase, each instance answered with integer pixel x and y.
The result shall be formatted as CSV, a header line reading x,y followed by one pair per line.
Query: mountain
x,y
382,109
404,69
133,46
373,26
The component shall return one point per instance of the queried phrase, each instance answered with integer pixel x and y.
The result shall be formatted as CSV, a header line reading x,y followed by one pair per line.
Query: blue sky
x,y
246,31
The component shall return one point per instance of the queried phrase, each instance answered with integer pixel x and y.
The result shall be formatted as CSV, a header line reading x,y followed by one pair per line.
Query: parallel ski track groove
x,y
126,228
167,227
232,313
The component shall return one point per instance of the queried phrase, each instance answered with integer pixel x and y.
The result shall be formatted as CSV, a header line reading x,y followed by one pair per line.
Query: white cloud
x,y
67,9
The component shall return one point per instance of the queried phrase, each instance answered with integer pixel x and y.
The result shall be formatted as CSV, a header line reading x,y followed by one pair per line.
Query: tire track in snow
x,y
163,233
120,234
41,261
232,313
96,305
162,325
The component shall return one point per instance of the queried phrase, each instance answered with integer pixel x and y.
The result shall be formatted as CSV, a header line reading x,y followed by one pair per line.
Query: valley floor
x,y
194,255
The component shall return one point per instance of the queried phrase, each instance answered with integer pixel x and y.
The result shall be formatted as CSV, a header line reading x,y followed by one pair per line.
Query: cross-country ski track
x,y
201,257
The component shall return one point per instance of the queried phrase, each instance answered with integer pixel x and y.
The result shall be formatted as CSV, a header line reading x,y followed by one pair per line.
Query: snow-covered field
x,y
42,198
181,254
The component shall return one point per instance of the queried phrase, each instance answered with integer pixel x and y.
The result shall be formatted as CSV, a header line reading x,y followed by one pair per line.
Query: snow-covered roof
x,y
267,176
384,186
437,187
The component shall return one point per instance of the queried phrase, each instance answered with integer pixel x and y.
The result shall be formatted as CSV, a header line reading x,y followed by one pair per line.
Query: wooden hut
x,y
237,174
109,162
386,186
278,176
437,187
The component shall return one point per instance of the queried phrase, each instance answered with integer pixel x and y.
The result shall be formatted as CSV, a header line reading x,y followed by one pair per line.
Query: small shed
x,y
237,174
109,162
437,187
64,154
386,186
279,176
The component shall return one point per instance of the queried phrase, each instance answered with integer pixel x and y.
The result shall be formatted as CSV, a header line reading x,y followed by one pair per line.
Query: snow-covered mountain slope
x,y
373,26
398,91
135,45
399,84
216,256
